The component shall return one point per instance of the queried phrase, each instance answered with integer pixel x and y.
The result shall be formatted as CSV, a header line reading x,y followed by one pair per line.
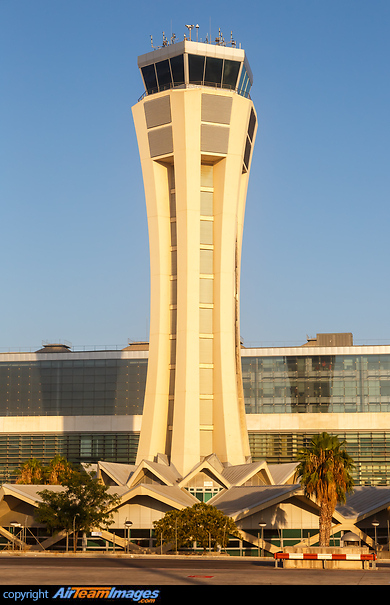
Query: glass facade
x,y
211,71
330,383
204,71
279,384
369,450
163,74
75,447
244,85
72,388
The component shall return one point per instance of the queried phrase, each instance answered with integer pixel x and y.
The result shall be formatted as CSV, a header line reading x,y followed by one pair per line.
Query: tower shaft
x,y
195,146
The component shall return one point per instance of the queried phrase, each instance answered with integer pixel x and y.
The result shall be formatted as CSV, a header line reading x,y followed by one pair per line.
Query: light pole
x,y
128,525
375,523
262,526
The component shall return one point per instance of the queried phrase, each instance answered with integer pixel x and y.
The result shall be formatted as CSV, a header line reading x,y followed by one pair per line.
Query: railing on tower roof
x,y
186,63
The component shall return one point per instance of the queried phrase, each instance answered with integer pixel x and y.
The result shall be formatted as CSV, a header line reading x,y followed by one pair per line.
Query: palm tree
x,y
324,472
31,472
58,470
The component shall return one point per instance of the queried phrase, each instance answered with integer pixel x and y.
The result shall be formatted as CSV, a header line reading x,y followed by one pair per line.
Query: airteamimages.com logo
x,y
136,595
106,592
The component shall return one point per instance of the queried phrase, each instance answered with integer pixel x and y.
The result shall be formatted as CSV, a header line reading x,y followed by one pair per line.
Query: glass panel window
x,y
350,364
243,79
163,74
245,84
206,175
177,67
205,381
172,205
85,446
206,232
373,362
173,351
196,67
385,388
373,388
205,350
350,388
173,234
213,74
206,203
149,76
206,291
252,124
173,291
385,362
172,382
173,320
230,73
206,262
174,262
205,321
247,152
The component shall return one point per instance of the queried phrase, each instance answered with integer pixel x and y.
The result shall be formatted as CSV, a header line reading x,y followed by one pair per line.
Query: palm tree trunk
x,y
325,524
75,539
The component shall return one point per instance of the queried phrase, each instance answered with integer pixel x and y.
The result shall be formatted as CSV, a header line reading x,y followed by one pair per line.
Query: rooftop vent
x,y
55,348
342,339
137,346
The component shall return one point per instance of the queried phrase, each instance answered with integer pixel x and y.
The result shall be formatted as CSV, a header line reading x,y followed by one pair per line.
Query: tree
x,y
31,472
324,471
82,505
58,470
171,529
202,523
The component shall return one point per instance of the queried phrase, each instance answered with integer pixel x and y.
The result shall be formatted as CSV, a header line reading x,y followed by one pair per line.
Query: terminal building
x,y
88,405
193,414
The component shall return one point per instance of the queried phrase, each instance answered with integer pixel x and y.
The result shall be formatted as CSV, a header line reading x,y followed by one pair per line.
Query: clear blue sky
x,y
73,230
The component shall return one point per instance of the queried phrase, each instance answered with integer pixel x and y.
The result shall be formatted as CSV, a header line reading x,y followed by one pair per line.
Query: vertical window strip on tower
x,y
206,306
173,292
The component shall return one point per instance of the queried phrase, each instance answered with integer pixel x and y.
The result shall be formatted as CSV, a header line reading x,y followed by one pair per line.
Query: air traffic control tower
x,y
196,128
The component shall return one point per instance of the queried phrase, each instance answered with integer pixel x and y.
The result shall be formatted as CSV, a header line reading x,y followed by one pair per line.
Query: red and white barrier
x,y
325,556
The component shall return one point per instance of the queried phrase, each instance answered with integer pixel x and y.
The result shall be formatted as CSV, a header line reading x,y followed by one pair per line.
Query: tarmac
x,y
53,569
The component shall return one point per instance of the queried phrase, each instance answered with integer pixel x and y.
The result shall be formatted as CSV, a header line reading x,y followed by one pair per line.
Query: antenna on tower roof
x,y
189,27
220,40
